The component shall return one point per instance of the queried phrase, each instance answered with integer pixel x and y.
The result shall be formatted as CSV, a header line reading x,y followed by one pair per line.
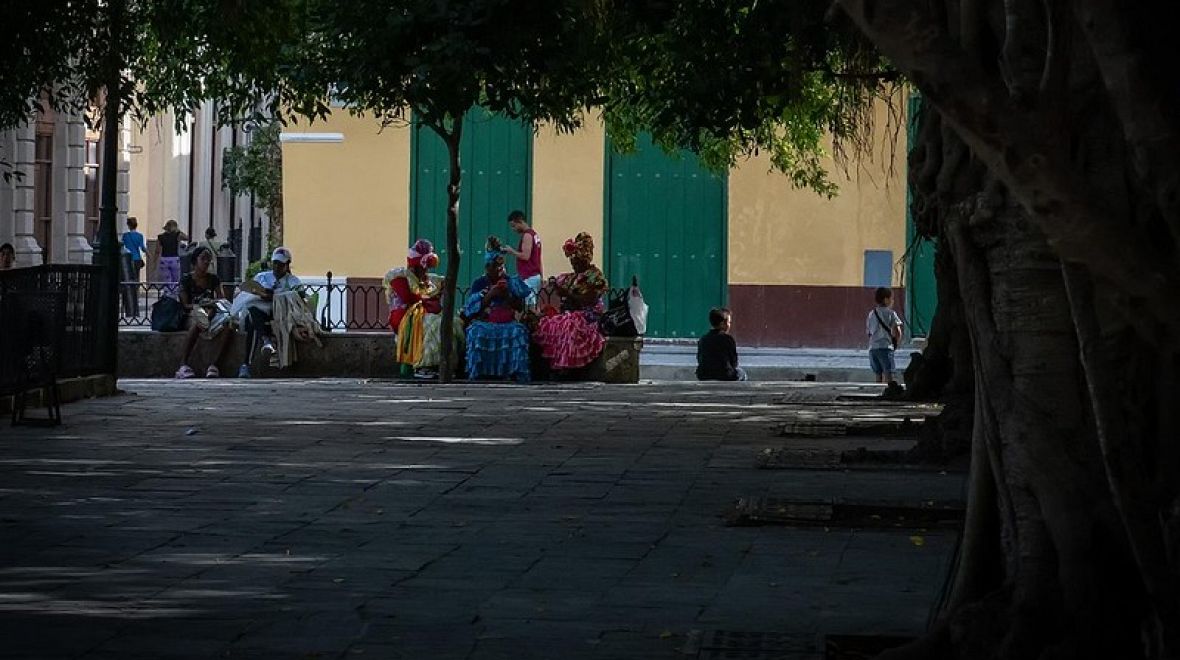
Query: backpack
x,y
167,315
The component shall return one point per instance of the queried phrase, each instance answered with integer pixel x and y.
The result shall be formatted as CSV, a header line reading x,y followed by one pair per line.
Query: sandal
x,y
184,372
212,372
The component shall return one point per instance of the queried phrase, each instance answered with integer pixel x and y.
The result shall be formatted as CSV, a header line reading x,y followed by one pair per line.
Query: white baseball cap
x,y
281,254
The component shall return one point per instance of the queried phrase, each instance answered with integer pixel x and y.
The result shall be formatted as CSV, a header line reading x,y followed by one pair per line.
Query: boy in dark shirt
x,y
717,351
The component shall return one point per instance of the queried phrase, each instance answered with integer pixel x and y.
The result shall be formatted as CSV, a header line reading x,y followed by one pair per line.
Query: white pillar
x,y
71,131
28,251
123,196
7,224
202,176
222,218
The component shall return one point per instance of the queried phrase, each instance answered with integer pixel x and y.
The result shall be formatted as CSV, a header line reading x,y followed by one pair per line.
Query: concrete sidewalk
x,y
662,361
367,519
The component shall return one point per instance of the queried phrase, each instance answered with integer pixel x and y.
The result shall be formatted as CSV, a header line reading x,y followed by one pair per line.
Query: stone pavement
x,y
353,519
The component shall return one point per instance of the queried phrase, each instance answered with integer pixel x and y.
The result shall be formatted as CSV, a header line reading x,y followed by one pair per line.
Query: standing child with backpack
x,y
884,328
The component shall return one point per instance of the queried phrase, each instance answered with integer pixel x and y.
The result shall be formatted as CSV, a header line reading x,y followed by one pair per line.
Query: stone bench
x,y
147,354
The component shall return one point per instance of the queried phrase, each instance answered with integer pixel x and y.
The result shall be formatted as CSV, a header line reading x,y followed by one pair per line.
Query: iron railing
x,y
340,306
51,311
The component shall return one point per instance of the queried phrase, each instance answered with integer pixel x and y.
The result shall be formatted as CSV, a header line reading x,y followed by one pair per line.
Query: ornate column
x,y
28,251
124,197
72,130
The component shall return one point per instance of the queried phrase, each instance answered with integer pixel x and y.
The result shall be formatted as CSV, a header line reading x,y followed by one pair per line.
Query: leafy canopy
x,y
727,78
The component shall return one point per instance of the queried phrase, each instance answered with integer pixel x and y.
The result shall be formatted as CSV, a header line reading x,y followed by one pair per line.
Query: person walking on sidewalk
x,y
884,329
717,357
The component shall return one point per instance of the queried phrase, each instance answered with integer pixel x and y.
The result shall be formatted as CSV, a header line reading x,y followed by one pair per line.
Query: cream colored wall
x,y
346,206
567,190
782,235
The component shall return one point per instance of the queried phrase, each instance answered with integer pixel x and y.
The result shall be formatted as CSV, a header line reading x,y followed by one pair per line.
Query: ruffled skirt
x,y
419,339
498,349
569,340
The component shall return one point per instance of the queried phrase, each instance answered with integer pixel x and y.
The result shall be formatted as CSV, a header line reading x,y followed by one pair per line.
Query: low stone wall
x,y
146,354
69,389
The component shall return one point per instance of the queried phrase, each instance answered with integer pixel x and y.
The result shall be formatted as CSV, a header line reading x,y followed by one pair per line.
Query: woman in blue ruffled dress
x,y
497,344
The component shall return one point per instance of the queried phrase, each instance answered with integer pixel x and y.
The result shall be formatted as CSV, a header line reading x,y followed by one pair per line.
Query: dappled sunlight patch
x,y
448,440
97,608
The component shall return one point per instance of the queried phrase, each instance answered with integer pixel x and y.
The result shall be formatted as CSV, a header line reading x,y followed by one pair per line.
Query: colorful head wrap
x,y
580,246
492,255
422,254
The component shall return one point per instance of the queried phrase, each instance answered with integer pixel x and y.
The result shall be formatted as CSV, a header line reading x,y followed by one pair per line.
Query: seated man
x,y
260,312
497,344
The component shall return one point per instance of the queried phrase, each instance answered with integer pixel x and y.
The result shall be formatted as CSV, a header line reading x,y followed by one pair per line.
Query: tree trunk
x,y
447,369
1068,276
944,371
107,330
275,212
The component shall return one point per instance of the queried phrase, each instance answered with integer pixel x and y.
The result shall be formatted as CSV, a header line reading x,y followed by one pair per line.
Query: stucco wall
x,y
567,190
782,235
347,204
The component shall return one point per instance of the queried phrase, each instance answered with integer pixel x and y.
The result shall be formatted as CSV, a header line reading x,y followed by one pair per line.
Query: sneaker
x,y
244,371
185,372
212,372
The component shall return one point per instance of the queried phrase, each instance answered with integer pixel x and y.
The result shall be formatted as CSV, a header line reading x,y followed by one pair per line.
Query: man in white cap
x,y
276,280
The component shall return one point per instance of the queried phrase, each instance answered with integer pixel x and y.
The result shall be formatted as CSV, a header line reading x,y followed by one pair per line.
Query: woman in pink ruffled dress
x,y
571,339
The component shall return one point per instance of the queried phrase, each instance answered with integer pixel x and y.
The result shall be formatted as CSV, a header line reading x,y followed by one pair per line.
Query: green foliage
x,y
254,268
161,55
729,78
256,168
523,58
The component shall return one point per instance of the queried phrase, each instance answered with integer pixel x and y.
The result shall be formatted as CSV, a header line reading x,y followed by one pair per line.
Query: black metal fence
x,y
49,315
341,306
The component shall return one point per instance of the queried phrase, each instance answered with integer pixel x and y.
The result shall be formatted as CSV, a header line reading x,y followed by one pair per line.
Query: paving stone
x,y
386,520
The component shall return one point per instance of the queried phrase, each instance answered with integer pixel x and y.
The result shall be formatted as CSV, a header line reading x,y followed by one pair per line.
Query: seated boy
x,y
717,351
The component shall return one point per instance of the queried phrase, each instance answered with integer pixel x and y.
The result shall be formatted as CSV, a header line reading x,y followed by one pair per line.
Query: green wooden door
x,y
666,224
920,286
496,155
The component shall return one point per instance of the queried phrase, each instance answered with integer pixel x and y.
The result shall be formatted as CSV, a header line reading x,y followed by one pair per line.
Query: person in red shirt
x,y
528,255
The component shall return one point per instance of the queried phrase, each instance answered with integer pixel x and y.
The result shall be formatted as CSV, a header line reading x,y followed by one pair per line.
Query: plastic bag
x,y
637,307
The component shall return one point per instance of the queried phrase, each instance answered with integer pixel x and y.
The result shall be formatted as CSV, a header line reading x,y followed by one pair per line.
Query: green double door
x,y
666,219
496,156
921,289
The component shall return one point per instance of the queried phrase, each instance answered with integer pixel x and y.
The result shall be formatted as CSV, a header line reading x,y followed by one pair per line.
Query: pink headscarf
x,y
422,254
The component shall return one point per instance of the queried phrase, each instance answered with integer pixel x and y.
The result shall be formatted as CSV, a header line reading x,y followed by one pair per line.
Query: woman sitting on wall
x,y
415,312
199,292
570,339
497,344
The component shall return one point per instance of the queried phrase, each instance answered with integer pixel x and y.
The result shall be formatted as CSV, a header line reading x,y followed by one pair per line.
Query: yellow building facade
x,y
798,268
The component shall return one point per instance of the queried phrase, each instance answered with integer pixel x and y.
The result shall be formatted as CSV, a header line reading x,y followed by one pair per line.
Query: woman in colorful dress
x,y
570,339
497,344
415,312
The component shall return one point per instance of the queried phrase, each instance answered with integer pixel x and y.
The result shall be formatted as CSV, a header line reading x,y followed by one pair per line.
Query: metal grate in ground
x,y
761,510
754,645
